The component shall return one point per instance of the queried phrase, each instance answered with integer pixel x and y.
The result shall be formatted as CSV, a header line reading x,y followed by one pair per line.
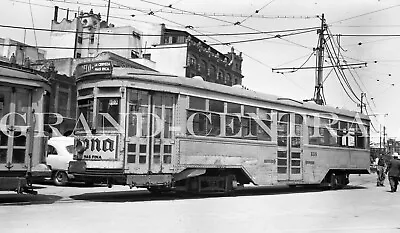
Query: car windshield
x,y
70,149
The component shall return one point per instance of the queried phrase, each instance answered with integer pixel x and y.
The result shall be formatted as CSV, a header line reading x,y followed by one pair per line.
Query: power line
x,y
313,67
257,11
369,35
33,24
300,67
165,47
236,23
364,14
339,73
129,34
179,11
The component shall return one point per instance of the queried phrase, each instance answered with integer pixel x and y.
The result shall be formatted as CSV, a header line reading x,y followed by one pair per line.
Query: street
x,y
360,207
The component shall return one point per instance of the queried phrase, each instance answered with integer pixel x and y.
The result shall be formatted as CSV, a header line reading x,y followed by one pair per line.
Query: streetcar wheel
x,y
60,178
334,183
158,190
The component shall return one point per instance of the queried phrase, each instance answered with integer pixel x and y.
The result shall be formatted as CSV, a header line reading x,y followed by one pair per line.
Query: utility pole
x,y
362,102
108,10
384,139
318,92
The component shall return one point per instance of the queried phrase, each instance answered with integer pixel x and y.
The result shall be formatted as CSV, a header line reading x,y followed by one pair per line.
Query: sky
x,y
369,29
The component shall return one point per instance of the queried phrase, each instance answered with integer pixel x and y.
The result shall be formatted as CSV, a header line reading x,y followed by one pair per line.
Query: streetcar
x,y
163,132
24,97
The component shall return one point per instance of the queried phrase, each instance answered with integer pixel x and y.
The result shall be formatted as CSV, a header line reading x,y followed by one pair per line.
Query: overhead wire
x,y
257,11
337,62
238,24
129,34
364,14
300,67
33,25
338,75
180,46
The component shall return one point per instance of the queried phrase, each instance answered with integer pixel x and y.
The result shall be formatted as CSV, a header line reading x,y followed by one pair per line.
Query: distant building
x,y
180,53
393,146
165,50
86,36
62,101
12,51
66,66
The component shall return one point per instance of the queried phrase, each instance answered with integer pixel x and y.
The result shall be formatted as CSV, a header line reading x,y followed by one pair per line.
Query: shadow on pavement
x,y
70,184
27,199
143,195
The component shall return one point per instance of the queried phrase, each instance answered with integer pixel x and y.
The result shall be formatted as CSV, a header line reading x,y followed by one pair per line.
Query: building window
x,y
203,66
192,61
80,39
220,76
228,79
92,39
212,71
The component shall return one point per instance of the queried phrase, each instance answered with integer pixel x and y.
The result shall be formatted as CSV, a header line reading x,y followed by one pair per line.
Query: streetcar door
x,y
14,136
162,140
137,147
150,136
290,146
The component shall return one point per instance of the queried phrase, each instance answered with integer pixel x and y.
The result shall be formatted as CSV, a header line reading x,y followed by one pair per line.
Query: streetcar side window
x,y
249,125
197,103
85,108
339,134
265,117
138,106
108,111
322,132
342,132
241,121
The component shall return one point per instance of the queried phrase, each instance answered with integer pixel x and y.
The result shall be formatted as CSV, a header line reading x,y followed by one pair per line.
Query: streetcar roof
x,y
22,76
174,80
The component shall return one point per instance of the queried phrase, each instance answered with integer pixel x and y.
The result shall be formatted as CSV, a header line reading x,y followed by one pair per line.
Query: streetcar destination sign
x,y
90,68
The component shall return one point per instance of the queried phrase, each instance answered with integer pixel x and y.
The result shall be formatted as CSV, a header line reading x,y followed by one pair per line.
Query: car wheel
x,y
60,178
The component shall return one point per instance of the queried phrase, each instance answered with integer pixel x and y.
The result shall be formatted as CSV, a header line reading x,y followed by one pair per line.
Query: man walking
x,y
380,171
393,171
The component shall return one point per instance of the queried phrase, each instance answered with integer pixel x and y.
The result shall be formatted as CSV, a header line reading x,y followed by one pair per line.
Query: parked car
x,y
60,151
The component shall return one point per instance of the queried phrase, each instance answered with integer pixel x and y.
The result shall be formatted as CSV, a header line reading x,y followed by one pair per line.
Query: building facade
x,y
87,35
19,53
183,54
165,50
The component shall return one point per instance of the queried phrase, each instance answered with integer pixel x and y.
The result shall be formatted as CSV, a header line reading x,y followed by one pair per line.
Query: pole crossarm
x,y
325,67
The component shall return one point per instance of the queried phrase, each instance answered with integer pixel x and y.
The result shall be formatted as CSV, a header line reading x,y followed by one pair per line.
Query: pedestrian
x,y
380,171
393,171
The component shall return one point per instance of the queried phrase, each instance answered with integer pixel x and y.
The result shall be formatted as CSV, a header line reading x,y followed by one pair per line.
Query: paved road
x,y
361,207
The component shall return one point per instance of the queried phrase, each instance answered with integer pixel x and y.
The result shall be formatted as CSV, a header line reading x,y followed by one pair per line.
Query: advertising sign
x,y
99,147
90,68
